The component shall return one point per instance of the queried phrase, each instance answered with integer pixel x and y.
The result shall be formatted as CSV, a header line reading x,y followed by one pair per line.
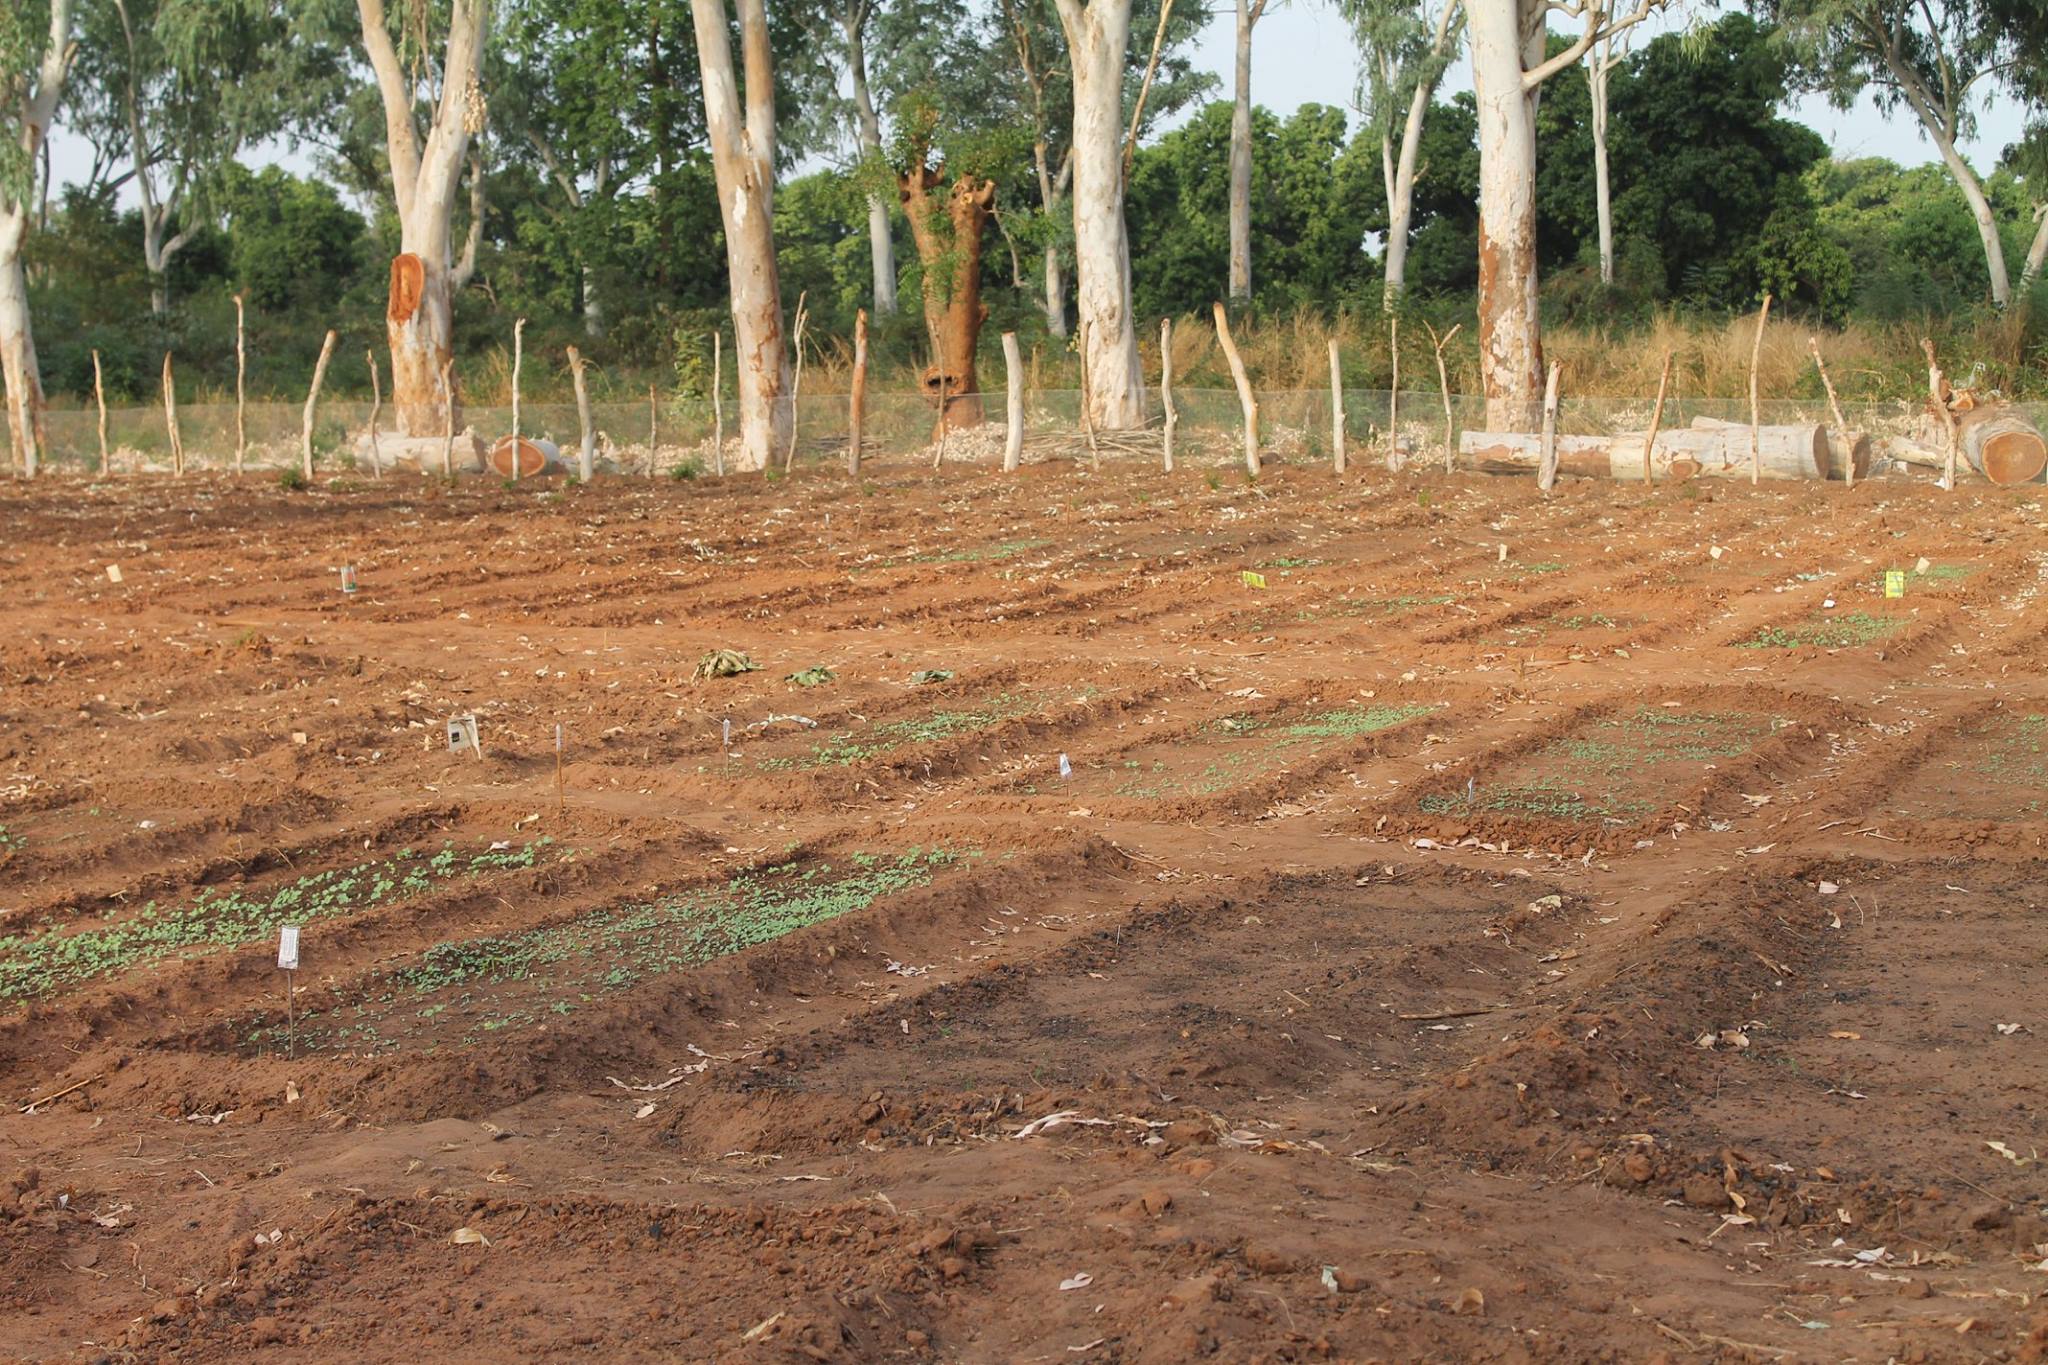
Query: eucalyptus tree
x,y
35,54
1404,48
742,138
1510,63
1936,58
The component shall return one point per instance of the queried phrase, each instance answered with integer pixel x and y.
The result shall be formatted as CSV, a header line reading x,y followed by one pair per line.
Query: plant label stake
x,y
1066,768
1254,580
1894,582
462,734
288,963
726,740
348,578
558,769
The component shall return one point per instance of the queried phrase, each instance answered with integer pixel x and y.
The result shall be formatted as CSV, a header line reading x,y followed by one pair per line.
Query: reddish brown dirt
x,y
1434,955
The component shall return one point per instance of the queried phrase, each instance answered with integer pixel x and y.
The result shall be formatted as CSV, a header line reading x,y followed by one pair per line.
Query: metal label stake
x,y
288,963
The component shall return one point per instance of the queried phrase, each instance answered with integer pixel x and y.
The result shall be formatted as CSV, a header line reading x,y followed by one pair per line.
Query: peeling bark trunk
x,y
18,351
743,158
1097,36
1399,174
949,243
1510,342
881,245
1941,130
420,313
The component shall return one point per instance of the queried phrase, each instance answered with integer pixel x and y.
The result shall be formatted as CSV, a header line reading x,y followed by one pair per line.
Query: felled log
x,y
534,457
423,454
1800,452
2003,446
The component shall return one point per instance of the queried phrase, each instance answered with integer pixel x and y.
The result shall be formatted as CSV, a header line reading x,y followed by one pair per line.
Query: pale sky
x,y
1302,53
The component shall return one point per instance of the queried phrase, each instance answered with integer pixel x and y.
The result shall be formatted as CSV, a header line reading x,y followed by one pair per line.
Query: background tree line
x,y
589,204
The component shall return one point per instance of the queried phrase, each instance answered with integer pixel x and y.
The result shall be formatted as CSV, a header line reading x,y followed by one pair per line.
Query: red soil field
x,y
1602,927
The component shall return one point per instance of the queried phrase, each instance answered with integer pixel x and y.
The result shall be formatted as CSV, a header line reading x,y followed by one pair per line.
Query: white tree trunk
x,y
1980,209
1399,173
424,181
881,245
1598,69
1510,341
18,348
1097,36
593,307
29,124
1055,293
743,157
1941,129
1241,155
2037,254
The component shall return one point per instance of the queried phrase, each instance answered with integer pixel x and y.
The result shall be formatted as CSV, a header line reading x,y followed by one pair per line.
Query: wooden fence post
x,y
587,463
313,398
171,418
1756,353
241,375
1245,397
1336,408
857,398
1013,438
99,392
1166,387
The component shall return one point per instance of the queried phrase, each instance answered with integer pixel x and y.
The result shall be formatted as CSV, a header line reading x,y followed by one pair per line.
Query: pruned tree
x,y
35,54
1249,12
948,193
1404,48
425,174
1509,67
1098,36
743,158
1935,57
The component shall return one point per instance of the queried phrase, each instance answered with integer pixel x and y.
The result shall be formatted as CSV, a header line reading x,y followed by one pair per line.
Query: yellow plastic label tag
x,y
1894,582
1254,580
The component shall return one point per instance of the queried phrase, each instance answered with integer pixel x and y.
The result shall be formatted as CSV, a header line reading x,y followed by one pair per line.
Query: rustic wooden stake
x,y
939,452
1546,473
1848,442
448,418
171,418
1336,408
718,404
586,465
558,769
1936,382
1756,353
1394,393
241,375
1087,417
518,354
1166,387
1656,417
1013,437
797,382
99,392
1443,380
653,429
376,411
313,398
857,398
1245,398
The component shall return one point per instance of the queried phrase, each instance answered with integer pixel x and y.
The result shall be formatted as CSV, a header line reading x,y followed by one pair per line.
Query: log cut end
x,y
534,457
2015,454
